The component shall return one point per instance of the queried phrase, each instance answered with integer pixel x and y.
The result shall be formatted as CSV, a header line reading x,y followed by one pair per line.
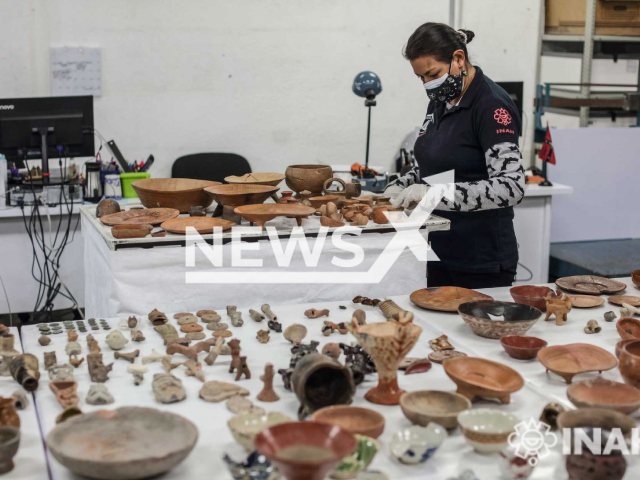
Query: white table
x,y
215,439
30,461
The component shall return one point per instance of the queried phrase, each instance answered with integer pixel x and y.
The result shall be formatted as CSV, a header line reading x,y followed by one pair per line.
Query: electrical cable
x,y
8,304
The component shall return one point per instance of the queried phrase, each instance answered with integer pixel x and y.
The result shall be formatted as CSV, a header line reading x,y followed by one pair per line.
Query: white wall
x,y
270,79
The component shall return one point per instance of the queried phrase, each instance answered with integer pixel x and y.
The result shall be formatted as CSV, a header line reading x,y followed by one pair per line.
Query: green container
x,y
126,179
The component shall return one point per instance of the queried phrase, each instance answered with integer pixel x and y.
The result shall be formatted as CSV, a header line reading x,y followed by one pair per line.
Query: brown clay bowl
x,y
305,450
425,406
635,277
630,363
256,178
317,202
357,420
596,418
521,347
235,195
621,344
178,193
477,377
570,360
516,319
307,177
601,393
531,295
628,328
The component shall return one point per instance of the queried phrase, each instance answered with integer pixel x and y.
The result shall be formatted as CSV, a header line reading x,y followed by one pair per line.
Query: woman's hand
x,y
410,196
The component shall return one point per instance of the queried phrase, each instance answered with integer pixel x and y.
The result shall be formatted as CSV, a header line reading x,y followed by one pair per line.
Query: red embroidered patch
x,y
502,116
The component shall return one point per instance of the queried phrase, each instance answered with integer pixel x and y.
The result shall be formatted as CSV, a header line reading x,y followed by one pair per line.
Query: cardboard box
x,y
613,17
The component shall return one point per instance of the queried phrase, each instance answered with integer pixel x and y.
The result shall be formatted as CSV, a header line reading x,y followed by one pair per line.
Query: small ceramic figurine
x,y
197,211
190,352
167,388
132,322
216,350
44,340
263,336
631,309
625,313
609,316
71,335
592,327
129,357
24,370
98,371
66,392
332,350
275,326
167,365
550,415
137,336
184,341
234,345
313,313
268,394
231,309
73,348
138,372
266,309
99,395
194,370
558,304
93,346
73,360
157,318
60,371
154,357
116,340
49,360
243,369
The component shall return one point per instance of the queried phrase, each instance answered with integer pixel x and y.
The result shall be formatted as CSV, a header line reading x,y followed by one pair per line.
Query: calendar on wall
x,y
76,71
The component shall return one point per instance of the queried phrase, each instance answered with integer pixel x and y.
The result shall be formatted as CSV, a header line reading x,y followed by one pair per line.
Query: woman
x,y
471,127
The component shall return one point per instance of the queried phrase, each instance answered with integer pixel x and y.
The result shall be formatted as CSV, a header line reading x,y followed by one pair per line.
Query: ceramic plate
x,y
201,224
586,301
629,299
445,299
590,285
150,216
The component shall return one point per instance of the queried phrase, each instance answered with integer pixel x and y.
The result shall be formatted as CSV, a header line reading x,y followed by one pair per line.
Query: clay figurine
x,y
295,333
72,336
73,360
313,313
194,370
66,392
99,395
263,336
93,346
73,348
190,352
167,365
625,313
154,357
360,316
234,345
132,322
215,391
167,332
550,415
268,394
236,319
60,371
49,360
275,326
20,400
116,340
24,370
138,372
167,388
266,309
137,336
256,316
391,310
609,316
592,327
157,318
129,357
334,221
6,346
215,351
44,340
630,309
231,309
332,350
184,341
441,343
558,304
98,371
242,369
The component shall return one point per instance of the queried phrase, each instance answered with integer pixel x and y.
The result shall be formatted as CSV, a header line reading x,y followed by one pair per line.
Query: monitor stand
x,y
43,132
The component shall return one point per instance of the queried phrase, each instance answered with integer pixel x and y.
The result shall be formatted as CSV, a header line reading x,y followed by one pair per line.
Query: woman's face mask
x,y
446,88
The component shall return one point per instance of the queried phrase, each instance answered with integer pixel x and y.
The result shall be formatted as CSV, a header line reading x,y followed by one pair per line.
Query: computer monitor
x,y
32,128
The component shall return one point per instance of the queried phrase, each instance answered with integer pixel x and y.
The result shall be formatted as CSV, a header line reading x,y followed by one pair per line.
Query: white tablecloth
x,y
215,439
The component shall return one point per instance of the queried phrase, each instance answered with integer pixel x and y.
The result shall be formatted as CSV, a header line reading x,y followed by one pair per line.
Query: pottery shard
x,y
442,355
201,313
210,318
73,348
129,357
99,395
314,313
191,327
215,391
238,404
44,340
136,336
217,326
166,331
418,366
189,319
196,336
167,388
330,222
157,318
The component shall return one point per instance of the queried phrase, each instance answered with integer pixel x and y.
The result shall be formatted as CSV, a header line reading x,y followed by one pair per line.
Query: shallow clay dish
x,y
570,360
140,216
262,213
126,443
477,377
596,418
530,295
360,420
445,299
601,393
307,177
628,299
521,347
425,406
201,224
590,285
628,328
585,301
510,318
235,195
257,178
179,193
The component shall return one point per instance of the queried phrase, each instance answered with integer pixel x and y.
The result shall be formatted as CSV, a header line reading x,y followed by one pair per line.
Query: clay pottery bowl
x,y
246,426
477,377
235,195
601,393
628,328
621,344
9,444
596,418
262,213
307,177
635,277
417,444
585,301
630,363
122,444
178,193
590,285
445,299
521,347
510,318
305,450
487,430
425,406
256,178
570,360
317,202
530,295
357,420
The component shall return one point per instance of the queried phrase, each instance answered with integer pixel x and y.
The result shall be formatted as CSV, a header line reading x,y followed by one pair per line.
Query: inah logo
x,y
6,107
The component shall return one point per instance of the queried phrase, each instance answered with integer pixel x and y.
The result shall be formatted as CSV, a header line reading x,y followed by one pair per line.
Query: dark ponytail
x,y
437,40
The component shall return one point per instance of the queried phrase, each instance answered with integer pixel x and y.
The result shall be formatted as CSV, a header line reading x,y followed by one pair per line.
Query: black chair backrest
x,y
210,166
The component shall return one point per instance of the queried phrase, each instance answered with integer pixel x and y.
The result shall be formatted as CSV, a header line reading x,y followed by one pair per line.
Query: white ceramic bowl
x,y
417,444
246,426
487,430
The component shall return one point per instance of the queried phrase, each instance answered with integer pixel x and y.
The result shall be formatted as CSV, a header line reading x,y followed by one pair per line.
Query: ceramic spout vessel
x,y
387,343
629,364
24,370
8,415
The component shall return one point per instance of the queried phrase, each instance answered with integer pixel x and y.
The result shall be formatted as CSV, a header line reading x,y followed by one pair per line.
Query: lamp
x,y
367,85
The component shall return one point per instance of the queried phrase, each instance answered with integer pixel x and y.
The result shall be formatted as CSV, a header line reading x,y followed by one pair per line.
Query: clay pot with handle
x,y
349,190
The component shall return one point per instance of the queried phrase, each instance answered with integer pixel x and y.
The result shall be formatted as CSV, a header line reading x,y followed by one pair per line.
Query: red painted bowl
x,y
521,347
530,295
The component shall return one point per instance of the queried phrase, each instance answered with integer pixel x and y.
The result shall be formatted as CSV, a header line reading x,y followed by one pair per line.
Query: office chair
x,y
210,166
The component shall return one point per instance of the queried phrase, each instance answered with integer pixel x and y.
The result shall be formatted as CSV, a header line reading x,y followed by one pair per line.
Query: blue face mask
x,y
446,88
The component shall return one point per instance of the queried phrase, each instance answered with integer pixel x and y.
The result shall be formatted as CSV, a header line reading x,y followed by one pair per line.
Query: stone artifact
x,y
266,309
329,327
314,313
116,340
20,400
154,357
609,316
129,357
238,404
201,313
66,393
44,340
217,326
93,346
210,318
187,320
73,360
371,302
592,327
255,315
242,369
167,388
295,333
168,366
275,326
194,370
73,348
149,443
157,318
24,370
191,327
9,444
573,359
138,372
8,415
195,336
268,394
99,395
234,345
236,319
222,334
179,315
231,309
107,206
98,371
441,343
558,304
216,350
592,464
166,332
360,316
61,371
137,336
215,391
263,336
332,350
72,336
190,352
49,360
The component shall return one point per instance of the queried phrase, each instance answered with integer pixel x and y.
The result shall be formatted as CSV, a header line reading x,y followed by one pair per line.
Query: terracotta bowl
x,y
521,347
487,430
257,178
516,318
596,418
425,406
620,345
317,202
178,193
573,359
246,426
630,363
305,450
307,177
628,328
532,295
235,195
601,393
360,420
635,277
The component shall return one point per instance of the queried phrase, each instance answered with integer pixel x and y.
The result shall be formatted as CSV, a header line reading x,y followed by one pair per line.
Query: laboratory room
x,y
284,240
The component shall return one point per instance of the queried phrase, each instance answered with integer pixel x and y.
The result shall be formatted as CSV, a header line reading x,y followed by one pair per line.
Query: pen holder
x,y
126,179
